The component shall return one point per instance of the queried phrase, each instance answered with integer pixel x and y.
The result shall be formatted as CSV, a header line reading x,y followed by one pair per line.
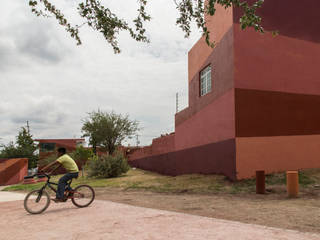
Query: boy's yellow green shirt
x,y
68,163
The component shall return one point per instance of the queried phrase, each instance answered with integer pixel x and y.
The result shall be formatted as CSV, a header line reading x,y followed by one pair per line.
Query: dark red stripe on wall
x,y
218,158
267,113
294,18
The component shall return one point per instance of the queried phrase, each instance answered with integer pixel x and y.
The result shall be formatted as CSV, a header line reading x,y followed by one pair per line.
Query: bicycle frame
x,y
79,192
49,184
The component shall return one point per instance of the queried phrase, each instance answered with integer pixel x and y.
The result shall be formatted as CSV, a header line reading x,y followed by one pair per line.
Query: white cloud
x,y
46,79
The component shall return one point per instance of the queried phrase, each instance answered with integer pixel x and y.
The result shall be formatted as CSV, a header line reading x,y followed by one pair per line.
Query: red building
x,y
253,100
48,147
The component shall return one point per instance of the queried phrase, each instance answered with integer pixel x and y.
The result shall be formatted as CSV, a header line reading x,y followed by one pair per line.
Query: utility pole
x,y
137,139
177,102
28,128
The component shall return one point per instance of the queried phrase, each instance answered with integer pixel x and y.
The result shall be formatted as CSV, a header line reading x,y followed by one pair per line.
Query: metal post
x,y
260,182
292,183
177,102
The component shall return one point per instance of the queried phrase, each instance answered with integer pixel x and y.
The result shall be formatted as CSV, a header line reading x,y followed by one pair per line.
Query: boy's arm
x,y
50,165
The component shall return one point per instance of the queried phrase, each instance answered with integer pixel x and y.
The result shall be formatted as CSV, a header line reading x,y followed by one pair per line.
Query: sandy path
x,y
109,220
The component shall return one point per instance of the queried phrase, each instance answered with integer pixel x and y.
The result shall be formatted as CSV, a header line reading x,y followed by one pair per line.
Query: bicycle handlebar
x,y
39,175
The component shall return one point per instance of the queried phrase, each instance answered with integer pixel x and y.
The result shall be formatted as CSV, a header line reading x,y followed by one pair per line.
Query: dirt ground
x,y
273,210
116,221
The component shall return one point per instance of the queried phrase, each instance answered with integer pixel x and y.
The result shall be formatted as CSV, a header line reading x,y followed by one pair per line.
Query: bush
x,y
107,166
81,153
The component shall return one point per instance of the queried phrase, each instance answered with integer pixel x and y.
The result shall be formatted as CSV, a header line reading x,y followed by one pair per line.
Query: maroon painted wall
x,y
213,123
276,63
216,158
205,131
277,89
277,79
266,113
288,62
209,118
294,18
218,25
262,86
221,61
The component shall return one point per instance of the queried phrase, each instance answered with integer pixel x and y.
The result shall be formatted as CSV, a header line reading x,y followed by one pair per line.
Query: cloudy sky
x,y
49,81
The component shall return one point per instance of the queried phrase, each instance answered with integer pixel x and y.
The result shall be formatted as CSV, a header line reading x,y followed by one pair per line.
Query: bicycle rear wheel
x,y
36,201
83,196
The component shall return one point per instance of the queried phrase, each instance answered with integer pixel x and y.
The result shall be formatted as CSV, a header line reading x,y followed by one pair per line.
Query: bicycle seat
x,y
29,177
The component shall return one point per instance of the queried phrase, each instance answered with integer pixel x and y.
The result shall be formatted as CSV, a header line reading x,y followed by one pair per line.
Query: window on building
x,y
205,81
47,147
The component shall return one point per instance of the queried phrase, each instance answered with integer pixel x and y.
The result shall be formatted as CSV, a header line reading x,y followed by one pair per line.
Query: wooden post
x,y
292,184
260,182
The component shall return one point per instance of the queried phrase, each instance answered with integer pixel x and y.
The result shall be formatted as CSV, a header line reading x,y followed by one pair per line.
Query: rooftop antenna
x,y
28,128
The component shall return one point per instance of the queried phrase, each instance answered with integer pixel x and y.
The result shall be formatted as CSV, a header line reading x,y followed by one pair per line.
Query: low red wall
x,y
159,145
218,158
12,171
163,144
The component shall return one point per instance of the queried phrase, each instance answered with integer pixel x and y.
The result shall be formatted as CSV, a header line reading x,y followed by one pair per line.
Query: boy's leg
x,y
62,185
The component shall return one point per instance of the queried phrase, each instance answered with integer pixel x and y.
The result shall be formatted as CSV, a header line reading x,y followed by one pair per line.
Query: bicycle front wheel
x,y
83,196
36,201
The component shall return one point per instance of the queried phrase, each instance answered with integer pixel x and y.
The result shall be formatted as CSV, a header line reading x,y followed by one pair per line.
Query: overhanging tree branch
x,y
195,10
100,18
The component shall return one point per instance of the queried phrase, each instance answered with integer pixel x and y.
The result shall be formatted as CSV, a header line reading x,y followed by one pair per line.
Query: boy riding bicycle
x,y
70,165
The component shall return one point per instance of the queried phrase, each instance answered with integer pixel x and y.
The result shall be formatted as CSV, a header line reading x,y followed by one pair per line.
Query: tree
x,y
23,148
25,141
108,130
10,151
100,18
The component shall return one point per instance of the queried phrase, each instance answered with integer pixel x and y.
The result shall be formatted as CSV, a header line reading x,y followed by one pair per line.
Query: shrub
x,y
81,153
107,166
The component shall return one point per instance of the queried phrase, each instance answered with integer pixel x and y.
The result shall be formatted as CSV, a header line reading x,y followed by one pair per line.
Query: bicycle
x,y
37,201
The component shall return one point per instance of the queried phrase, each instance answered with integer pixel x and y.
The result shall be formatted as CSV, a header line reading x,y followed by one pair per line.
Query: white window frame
x,y
205,81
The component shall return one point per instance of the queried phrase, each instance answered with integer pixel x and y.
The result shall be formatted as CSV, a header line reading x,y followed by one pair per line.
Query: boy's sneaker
x,y
57,200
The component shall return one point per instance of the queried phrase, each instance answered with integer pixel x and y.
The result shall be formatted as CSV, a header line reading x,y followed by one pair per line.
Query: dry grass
x,y
194,183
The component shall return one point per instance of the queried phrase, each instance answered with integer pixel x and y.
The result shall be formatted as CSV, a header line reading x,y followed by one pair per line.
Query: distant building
x,y
48,147
253,100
